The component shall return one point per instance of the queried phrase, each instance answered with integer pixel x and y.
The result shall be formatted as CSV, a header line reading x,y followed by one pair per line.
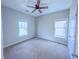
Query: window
x,y
22,28
60,29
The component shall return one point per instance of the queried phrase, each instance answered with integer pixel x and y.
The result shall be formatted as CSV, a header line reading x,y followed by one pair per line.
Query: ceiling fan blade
x,y
38,2
43,7
31,6
33,10
40,11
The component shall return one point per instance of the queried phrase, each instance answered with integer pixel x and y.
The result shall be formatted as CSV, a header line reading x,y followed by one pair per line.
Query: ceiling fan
x,y
37,6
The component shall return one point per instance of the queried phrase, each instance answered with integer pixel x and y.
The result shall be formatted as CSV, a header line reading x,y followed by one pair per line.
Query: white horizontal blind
x,y
60,29
23,28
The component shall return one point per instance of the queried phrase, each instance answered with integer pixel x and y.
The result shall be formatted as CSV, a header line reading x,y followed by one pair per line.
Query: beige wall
x,y
10,20
45,25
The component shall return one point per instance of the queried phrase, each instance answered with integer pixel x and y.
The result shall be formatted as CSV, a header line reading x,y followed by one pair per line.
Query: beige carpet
x,y
36,49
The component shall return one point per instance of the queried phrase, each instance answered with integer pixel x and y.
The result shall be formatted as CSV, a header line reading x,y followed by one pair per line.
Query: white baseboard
x,y
60,41
39,36
16,42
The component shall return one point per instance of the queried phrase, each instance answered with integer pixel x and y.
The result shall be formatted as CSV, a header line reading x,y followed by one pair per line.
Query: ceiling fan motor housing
x,y
36,6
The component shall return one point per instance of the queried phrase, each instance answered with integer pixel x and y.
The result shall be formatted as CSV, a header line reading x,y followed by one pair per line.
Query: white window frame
x,y
57,33
23,28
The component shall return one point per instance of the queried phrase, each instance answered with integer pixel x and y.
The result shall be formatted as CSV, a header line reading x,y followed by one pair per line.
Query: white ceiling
x,y
53,5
